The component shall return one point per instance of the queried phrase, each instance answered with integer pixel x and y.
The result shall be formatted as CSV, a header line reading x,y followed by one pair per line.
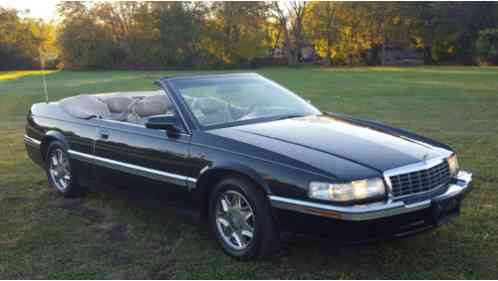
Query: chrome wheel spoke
x,y
224,204
60,157
247,226
223,221
247,215
238,202
247,233
237,239
55,162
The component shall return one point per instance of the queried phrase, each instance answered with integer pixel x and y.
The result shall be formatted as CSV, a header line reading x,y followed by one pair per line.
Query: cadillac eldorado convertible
x,y
253,158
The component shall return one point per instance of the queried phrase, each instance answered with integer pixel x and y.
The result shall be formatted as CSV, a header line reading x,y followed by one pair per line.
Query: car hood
x,y
372,145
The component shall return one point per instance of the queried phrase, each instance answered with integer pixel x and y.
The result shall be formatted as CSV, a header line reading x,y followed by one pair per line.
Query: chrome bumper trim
x,y
132,169
31,141
373,210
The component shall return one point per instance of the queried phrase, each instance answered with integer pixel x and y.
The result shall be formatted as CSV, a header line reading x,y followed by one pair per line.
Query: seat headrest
x,y
118,104
85,106
153,105
210,105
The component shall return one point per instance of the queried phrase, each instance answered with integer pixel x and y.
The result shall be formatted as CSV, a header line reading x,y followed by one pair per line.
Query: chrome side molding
x,y
133,169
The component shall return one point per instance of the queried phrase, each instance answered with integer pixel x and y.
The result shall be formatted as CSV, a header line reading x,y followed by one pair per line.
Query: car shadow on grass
x,y
132,224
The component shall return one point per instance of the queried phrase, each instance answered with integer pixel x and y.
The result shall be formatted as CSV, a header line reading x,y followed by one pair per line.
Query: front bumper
x,y
33,148
459,186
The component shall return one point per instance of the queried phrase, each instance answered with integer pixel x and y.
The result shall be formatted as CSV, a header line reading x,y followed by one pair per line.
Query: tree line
x,y
249,34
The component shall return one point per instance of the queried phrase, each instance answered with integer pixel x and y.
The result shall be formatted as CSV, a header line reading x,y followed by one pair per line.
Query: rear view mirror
x,y
168,123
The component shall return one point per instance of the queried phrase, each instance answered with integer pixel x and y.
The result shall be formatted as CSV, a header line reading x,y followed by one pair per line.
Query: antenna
x,y
42,62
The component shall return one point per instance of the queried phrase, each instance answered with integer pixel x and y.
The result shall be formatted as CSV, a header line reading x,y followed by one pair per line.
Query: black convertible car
x,y
253,158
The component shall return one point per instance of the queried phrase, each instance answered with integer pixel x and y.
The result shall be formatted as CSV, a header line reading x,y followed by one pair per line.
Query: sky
x,y
37,8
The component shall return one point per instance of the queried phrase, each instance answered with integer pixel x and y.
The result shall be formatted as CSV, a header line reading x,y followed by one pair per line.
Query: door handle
x,y
104,134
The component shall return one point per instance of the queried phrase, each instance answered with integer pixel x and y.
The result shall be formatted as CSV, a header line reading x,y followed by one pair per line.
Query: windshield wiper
x,y
288,116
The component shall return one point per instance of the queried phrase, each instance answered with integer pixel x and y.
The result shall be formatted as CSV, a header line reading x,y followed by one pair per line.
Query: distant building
x,y
400,56
307,54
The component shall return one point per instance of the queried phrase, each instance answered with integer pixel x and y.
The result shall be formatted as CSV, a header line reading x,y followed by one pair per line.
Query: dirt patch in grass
x,y
118,232
8,244
77,207
167,271
113,232
120,259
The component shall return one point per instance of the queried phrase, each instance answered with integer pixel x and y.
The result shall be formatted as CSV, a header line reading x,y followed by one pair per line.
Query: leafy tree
x,y
322,25
22,40
448,31
170,34
487,46
237,33
181,29
84,42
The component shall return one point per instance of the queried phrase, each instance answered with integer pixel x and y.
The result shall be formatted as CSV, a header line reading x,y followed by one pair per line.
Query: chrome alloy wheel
x,y
235,219
59,169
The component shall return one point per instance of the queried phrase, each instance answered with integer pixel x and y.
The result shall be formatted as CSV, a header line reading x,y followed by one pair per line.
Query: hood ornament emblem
x,y
425,158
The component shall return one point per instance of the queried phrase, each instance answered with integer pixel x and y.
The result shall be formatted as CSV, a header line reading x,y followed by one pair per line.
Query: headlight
x,y
344,192
453,164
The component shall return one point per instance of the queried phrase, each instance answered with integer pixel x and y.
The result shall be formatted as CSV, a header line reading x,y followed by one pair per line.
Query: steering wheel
x,y
228,111
251,109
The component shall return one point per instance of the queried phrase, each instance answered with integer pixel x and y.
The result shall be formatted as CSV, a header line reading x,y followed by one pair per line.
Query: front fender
x,y
232,168
52,135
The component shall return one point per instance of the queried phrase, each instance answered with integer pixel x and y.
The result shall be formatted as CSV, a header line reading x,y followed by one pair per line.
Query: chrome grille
x,y
420,181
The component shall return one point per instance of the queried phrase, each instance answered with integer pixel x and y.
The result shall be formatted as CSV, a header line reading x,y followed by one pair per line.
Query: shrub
x,y
487,46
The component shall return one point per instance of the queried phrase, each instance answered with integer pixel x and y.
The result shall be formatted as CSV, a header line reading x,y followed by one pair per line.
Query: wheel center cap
x,y
235,218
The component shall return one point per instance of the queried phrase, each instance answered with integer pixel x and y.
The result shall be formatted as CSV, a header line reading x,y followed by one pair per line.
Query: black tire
x,y
72,187
265,239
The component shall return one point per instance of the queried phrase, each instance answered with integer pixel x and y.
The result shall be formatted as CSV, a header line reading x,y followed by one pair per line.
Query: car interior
x,y
137,107
223,105
131,107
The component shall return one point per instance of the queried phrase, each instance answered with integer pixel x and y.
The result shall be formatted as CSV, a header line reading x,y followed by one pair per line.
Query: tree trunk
x,y
428,55
383,59
287,45
329,52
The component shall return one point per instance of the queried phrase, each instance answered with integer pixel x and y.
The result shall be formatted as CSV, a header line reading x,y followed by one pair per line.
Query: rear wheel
x,y
241,219
59,172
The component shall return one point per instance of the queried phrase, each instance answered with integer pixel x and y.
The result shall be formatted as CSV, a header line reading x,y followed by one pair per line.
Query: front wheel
x,y
59,172
241,219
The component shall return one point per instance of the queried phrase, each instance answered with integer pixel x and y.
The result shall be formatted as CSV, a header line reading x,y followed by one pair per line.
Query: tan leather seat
x,y
149,106
119,106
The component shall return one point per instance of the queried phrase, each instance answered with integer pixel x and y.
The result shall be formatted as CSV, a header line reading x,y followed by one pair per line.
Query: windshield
x,y
226,99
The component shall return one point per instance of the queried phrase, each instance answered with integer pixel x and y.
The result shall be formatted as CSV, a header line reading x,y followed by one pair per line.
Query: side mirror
x,y
168,123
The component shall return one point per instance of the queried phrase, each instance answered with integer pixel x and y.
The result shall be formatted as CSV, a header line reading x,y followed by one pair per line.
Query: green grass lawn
x,y
115,235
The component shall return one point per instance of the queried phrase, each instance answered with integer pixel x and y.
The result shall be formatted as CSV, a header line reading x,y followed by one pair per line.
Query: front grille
x,y
421,181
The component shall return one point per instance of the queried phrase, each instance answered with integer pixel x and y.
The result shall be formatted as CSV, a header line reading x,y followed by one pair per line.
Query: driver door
x,y
131,154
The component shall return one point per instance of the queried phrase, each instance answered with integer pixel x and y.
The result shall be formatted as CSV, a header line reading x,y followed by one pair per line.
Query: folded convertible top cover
x,y
85,106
